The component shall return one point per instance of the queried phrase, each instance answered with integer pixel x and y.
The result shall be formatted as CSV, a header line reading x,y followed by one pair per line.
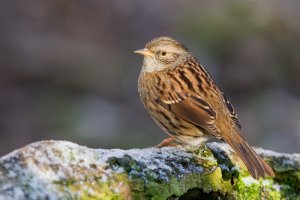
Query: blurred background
x,y
68,72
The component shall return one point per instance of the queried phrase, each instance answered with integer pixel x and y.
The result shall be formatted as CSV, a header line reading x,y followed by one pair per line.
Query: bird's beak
x,y
144,52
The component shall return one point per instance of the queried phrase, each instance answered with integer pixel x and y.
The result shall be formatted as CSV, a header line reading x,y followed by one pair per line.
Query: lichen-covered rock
x,y
64,170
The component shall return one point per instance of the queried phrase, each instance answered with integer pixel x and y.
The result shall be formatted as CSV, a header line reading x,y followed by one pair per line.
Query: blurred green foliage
x,y
67,70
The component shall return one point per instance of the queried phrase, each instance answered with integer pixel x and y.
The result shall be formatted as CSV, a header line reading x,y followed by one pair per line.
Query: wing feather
x,y
233,114
193,109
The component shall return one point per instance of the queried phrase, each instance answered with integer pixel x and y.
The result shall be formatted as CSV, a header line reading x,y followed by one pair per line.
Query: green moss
x,y
120,186
116,188
214,182
72,156
290,185
246,191
204,156
248,188
208,182
290,178
220,178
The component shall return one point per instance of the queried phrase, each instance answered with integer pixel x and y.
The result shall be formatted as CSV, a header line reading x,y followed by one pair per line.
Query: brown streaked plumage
x,y
185,102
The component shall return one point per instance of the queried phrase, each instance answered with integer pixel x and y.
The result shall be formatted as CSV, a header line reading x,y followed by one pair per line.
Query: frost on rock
x,y
64,170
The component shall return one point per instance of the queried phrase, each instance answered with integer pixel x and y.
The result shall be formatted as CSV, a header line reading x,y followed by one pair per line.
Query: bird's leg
x,y
166,142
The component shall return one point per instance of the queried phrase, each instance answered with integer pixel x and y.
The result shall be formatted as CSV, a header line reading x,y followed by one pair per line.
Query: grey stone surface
x,y
64,170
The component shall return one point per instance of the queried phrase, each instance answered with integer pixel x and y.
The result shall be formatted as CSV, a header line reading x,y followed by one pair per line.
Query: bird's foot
x,y
169,142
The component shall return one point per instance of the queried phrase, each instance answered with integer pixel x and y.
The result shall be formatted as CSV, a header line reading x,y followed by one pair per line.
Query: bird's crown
x,y
164,41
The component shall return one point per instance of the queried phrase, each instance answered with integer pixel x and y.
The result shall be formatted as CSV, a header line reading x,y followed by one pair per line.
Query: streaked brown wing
x,y
194,110
233,114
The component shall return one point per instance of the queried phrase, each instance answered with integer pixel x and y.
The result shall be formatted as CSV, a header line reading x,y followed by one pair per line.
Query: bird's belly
x,y
181,130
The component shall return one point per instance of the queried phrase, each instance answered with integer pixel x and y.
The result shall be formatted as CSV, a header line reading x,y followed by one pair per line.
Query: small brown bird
x,y
185,102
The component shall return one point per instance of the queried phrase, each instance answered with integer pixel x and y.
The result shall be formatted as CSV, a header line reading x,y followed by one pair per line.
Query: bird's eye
x,y
163,53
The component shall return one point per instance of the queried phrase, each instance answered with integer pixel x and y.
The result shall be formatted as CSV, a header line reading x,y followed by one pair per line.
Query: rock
x,y
64,170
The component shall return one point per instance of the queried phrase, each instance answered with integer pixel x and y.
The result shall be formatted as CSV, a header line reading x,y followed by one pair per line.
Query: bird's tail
x,y
255,164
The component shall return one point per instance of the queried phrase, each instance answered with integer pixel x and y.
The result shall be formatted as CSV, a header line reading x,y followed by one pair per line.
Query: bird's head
x,y
162,53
